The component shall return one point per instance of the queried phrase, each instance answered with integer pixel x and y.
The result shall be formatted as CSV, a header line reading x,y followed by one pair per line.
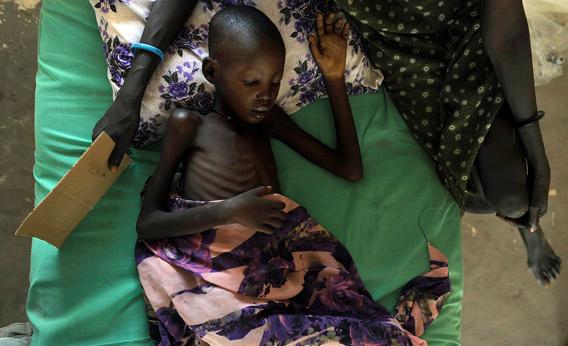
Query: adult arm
x,y
506,39
329,50
121,120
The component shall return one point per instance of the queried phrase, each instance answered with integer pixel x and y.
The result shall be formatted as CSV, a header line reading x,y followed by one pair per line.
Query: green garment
x,y
438,74
88,292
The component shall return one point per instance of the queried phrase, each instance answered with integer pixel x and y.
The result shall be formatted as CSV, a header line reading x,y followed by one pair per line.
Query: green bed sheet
x,y
87,293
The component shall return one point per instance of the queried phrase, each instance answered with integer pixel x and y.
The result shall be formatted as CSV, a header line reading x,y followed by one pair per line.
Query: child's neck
x,y
231,120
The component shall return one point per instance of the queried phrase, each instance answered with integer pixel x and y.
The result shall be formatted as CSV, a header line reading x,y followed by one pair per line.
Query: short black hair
x,y
233,25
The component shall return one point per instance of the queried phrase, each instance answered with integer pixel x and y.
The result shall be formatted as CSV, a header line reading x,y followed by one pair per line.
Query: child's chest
x,y
223,163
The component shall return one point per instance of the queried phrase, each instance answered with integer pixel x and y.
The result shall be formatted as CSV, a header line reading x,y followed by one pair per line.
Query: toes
x,y
551,273
556,267
538,274
543,280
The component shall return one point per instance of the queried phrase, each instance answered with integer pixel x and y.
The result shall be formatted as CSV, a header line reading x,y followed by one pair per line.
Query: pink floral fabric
x,y
233,286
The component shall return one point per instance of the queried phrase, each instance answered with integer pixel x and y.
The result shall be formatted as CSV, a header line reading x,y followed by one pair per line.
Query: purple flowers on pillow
x,y
178,81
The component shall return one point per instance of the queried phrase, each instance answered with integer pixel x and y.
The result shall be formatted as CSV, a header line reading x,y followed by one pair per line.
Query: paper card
x,y
75,195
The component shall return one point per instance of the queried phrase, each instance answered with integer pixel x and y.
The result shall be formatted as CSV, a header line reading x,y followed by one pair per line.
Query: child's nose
x,y
267,93
264,95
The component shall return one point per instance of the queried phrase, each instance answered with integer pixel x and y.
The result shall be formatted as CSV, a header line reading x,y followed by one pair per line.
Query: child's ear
x,y
210,69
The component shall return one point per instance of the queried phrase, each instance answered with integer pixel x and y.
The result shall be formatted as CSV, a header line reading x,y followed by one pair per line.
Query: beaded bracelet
x,y
149,48
539,115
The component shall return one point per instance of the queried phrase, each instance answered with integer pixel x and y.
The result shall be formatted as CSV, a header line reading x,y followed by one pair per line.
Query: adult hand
x,y
329,46
250,210
120,122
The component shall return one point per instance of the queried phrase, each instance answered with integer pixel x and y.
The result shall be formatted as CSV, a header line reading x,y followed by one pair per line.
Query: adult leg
x,y
500,185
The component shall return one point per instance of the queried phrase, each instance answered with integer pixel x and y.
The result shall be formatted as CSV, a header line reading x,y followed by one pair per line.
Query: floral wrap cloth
x,y
437,72
234,286
179,82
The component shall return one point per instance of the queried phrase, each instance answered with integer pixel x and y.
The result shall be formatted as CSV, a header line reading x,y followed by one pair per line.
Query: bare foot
x,y
541,259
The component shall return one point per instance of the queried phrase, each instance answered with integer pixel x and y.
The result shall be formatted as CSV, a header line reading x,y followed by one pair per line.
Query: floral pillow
x,y
178,81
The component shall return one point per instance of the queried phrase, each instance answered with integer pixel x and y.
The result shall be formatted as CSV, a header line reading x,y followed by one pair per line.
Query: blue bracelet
x,y
149,48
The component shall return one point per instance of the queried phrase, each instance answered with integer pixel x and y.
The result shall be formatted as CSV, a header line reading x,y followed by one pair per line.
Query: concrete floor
x,y
503,305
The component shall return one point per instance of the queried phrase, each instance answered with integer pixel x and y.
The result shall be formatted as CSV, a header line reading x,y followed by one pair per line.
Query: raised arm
x,y
328,48
506,38
121,120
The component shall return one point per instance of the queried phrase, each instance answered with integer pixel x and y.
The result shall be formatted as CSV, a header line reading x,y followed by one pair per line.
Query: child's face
x,y
247,87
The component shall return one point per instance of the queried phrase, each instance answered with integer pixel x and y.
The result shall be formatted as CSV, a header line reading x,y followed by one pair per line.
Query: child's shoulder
x,y
183,120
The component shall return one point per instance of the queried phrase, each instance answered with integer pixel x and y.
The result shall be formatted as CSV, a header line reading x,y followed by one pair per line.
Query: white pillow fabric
x,y
178,81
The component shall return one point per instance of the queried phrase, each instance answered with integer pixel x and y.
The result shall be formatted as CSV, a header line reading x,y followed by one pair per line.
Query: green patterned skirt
x,y
438,74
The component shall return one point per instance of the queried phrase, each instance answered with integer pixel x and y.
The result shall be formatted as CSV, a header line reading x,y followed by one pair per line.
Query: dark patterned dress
x,y
437,72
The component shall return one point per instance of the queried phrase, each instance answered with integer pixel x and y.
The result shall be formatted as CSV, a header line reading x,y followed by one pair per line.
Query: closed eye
x,y
250,82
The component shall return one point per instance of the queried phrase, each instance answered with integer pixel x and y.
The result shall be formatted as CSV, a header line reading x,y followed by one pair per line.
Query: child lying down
x,y
224,259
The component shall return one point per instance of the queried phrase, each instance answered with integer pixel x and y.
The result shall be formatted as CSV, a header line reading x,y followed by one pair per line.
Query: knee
x,y
512,205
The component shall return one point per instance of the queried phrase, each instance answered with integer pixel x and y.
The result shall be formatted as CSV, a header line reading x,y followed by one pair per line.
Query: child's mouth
x,y
260,113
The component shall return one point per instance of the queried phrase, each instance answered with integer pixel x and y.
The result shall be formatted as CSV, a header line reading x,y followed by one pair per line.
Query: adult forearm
x,y
507,42
165,20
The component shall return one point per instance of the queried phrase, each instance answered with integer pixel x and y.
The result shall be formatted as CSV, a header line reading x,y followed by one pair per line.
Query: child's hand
x,y
329,46
250,210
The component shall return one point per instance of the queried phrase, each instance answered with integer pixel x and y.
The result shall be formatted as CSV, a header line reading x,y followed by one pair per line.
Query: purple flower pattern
x,y
181,90
266,269
332,306
209,5
302,14
191,38
179,84
147,131
108,5
119,59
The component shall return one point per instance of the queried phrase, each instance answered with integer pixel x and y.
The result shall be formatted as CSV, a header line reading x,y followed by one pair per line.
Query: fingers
x,y
338,26
115,158
320,25
96,133
262,190
267,229
274,223
345,32
329,21
332,23
277,205
314,47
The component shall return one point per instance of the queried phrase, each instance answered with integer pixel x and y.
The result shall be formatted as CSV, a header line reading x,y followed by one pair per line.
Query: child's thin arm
x,y
247,208
153,221
329,50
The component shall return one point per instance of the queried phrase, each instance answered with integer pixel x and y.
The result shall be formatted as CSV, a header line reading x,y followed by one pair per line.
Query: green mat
x,y
88,293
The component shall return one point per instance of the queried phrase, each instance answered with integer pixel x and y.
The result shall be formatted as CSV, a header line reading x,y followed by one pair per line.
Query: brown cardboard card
x,y
75,195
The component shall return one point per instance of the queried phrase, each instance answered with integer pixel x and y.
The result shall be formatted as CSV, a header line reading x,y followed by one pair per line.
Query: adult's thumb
x,y
115,158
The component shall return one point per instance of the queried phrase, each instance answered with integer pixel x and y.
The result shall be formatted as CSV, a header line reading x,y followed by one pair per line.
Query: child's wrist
x,y
339,78
334,83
